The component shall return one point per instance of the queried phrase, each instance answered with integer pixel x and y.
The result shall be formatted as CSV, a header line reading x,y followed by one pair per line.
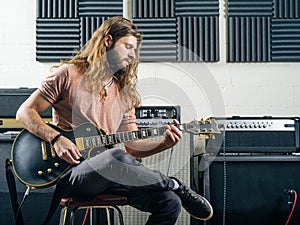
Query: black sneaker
x,y
193,203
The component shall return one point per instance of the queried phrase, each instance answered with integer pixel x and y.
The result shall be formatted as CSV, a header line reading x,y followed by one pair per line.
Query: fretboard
x,y
122,137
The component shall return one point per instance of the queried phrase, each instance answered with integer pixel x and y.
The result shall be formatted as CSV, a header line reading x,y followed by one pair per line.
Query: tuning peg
x,y
206,137
208,120
212,136
200,137
202,121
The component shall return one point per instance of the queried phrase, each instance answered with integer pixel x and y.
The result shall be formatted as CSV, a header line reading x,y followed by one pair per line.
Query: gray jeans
x,y
117,172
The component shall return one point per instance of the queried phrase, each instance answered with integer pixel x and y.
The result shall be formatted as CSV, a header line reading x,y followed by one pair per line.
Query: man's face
x,y
123,53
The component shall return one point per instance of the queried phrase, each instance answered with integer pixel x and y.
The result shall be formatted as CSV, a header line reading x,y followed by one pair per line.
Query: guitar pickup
x,y
44,150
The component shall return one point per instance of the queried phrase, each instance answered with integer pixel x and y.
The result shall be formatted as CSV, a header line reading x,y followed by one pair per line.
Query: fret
x,y
104,140
151,132
144,133
99,141
87,143
118,137
125,136
109,139
115,138
161,130
129,136
135,135
122,137
93,141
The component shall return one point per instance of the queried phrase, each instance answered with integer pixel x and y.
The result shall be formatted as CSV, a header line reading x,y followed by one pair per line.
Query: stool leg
x,y
120,214
107,215
91,215
72,216
63,216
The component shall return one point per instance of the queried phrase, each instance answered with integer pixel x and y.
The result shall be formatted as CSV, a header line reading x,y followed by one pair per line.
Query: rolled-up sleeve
x,y
53,86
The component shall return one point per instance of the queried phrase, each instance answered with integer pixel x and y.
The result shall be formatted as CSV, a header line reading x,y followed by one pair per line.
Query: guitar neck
x,y
122,137
195,127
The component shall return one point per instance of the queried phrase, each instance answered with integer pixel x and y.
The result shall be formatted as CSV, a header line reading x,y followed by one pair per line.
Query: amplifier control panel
x,y
258,124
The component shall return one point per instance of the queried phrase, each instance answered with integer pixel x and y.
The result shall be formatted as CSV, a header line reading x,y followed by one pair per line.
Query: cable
x,y
170,158
294,205
85,216
21,204
225,179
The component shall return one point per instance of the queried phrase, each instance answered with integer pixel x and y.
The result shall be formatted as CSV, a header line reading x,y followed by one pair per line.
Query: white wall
x,y
214,89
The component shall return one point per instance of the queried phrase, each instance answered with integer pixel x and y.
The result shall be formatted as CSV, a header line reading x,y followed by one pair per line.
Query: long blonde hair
x,y
92,58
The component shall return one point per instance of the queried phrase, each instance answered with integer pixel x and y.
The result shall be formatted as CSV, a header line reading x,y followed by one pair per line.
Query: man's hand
x,y
67,150
172,135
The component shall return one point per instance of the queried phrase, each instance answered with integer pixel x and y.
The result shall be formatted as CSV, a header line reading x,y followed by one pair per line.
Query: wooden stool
x,y
105,201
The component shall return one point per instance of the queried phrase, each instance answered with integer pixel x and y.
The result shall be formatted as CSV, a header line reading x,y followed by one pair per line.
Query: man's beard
x,y
115,62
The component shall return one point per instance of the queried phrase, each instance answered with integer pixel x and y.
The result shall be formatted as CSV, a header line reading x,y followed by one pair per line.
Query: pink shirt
x,y
73,103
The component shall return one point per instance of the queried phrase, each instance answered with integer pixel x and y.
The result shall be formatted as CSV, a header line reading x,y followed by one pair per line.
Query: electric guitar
x,y
36,164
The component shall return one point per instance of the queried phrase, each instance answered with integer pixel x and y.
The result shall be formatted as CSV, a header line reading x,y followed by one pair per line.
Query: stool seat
x,y
99,200
106,201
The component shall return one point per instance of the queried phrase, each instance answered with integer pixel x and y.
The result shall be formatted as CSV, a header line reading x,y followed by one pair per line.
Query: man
x,y
99,85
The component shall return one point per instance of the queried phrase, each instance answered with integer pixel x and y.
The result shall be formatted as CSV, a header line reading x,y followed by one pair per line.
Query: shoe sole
x,y
211,212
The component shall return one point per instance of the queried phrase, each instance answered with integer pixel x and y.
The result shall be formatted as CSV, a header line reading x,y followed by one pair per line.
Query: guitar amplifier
x,y
256,135
151,116
179,165
11,99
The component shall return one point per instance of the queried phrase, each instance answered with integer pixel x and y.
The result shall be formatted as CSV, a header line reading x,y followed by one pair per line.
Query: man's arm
x,y
144,148
28,116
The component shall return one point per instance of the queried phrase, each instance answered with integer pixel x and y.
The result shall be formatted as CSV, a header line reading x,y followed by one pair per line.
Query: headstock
x,y
207,127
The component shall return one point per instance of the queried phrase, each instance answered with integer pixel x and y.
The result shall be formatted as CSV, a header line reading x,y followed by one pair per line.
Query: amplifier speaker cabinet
x,y
250,189
256,135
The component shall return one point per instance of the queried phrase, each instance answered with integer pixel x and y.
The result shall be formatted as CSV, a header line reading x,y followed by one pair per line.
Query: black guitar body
x,y
29,163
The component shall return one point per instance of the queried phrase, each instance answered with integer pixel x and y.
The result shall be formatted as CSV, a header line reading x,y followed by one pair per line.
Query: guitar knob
x,y
49,170
56,164
40,173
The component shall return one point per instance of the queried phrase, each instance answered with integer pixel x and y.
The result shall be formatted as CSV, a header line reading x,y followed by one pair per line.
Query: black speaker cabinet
x,y
250,189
